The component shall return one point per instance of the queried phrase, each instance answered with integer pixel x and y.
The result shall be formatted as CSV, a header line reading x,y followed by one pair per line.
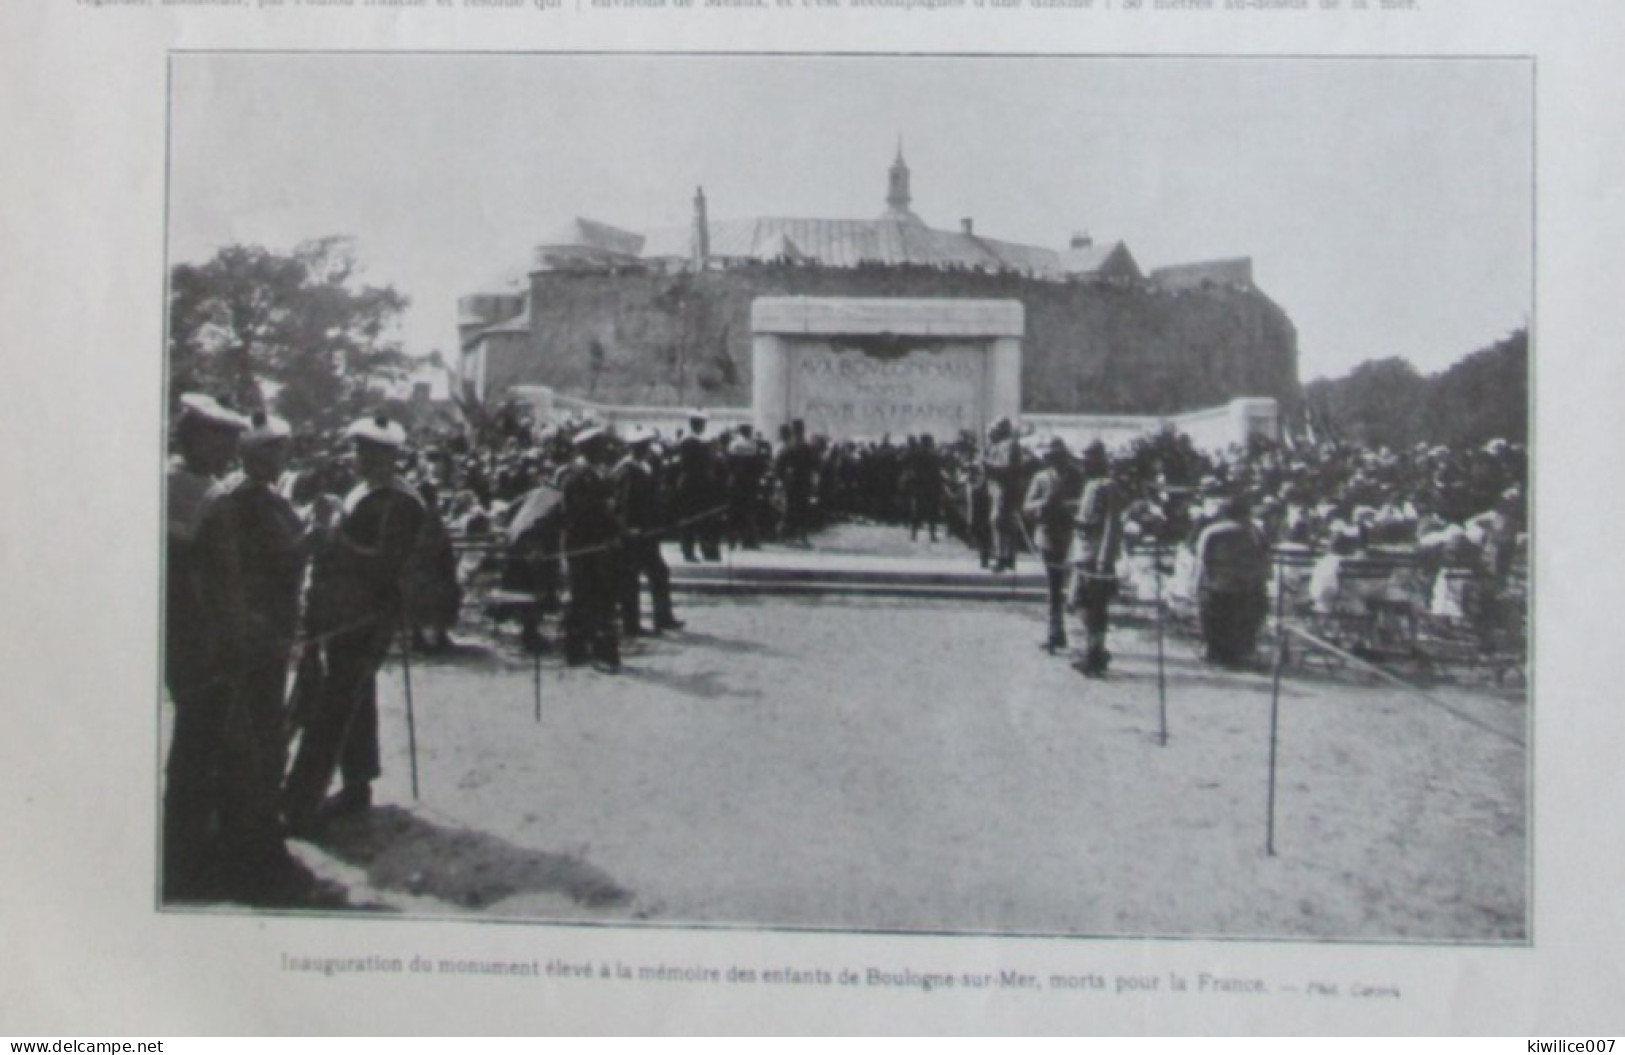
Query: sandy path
x,y
867,764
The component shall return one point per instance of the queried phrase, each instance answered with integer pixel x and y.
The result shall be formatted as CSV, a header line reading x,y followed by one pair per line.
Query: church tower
x,y
897,193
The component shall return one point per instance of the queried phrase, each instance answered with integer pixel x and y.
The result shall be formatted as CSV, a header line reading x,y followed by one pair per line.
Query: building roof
x,y
582,233
847,243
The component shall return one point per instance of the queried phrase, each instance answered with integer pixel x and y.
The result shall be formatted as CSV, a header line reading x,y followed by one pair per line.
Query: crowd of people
x,y
314,555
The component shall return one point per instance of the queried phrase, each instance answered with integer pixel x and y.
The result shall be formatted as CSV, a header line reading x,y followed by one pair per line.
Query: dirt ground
x,y
868,764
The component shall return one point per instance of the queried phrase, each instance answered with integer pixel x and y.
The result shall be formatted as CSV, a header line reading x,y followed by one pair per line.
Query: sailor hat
x,y
588,435
638,435
263,429
207,410
377,429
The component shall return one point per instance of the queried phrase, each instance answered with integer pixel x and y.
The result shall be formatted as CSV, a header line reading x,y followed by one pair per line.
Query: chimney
x,y
702,231
1081,240
967,226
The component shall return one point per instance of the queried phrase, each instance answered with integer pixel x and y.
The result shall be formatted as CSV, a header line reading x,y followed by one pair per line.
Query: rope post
x,y
536,667
411,721
1162,680
1275,705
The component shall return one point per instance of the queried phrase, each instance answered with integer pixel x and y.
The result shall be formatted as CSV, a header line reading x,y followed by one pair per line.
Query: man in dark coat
x,y
796,466
355,610
925,481
745,470
699,496
253,546
638,503
592,547
206,439
1232,573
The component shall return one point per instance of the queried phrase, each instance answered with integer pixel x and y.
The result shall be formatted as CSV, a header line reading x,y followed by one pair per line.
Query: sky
x,y
1386,204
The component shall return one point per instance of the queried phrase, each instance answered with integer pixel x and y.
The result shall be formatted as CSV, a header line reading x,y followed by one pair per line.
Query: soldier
x,y
206,438
697,493
637,499
1051,505
1003,470
354,611
1100,535
592,553
253,546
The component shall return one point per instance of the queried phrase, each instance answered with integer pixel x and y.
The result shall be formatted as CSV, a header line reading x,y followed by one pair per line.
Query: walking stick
x,y
411,722
1275,709
1162,681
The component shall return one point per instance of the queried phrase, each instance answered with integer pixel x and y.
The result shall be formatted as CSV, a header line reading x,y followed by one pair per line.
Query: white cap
x,y
639,434
378,429
263,429
587,435
208,410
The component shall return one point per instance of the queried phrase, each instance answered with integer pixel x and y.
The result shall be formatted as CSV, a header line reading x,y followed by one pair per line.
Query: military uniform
x,y
637,491
194,663
1100,540
194,673
250,544
592,557
355,610
1052,500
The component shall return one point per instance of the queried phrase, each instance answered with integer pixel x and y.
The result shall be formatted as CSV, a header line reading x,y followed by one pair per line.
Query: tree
x,y
1379,402
297,329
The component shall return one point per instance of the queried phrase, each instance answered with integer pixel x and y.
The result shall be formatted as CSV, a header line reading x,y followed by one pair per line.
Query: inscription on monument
x,y
845,391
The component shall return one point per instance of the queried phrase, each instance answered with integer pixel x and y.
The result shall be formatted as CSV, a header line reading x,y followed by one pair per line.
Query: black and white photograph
x,y
1065,497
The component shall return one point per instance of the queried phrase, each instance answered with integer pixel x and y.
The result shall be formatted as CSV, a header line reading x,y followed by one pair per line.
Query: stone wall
x,y
684,339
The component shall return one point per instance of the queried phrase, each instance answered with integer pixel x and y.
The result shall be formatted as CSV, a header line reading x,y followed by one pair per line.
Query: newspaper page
x,y
1114,479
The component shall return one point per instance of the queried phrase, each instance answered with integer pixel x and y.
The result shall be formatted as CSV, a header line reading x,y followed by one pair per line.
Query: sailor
x,y
592,537
252,546
637,500
354,611
206,441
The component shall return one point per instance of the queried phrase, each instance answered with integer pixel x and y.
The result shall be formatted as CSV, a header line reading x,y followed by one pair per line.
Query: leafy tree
x,y
1483,396
1379,402
251,322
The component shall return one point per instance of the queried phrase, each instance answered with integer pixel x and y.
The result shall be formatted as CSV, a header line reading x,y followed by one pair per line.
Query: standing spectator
x,y
355,610
1100,534
206,438
1232,569
637,500
1051,504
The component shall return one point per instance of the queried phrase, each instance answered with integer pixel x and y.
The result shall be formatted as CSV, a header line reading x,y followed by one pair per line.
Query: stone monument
x,y
854,367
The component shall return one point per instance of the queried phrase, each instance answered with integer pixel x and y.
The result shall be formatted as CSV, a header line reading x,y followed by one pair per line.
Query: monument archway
x,y
867,367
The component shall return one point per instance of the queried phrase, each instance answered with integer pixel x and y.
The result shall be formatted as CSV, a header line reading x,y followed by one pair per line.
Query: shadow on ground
x,y
401,851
